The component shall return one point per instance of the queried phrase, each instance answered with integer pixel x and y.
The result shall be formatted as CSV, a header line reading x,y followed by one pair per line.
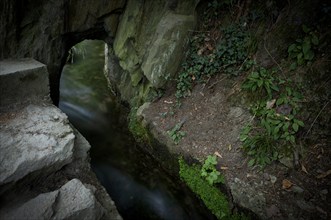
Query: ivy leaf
x,y
295,127
305,29
300,123
314,40
291,48
293,66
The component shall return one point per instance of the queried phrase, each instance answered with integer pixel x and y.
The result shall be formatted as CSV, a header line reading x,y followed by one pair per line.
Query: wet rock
x,y
32,141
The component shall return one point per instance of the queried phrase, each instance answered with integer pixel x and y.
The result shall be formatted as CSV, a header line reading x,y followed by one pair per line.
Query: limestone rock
x,y
149,45
248,196
35,138
40,207
75,201
22,81
72,201
165,52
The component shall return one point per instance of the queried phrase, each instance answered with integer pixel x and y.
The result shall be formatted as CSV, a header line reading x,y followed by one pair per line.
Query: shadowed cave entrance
x,y
137,184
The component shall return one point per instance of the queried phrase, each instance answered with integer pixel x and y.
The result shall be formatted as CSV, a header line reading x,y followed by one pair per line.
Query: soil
x,y
212,118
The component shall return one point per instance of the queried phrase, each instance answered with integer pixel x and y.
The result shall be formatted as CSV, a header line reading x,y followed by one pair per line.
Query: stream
x,y
136,183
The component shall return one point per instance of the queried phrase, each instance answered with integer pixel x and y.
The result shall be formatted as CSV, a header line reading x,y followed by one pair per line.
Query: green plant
x,y
261,81
209,172
215,201
176,134
302,51
212,197
273,133
140,133
202,63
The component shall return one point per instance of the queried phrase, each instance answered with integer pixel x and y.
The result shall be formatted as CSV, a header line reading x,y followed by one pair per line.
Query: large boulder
x,y
35,138
72,201
149,45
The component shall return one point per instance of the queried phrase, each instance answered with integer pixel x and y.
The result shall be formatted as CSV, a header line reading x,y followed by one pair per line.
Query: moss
x,y
213,198
140,133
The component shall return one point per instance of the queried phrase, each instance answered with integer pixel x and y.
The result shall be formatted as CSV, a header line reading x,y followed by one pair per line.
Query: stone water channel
x,y
139,187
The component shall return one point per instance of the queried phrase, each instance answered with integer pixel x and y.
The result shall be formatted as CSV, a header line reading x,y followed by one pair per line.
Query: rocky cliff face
x,y
46,30
149,45
45,171
147,37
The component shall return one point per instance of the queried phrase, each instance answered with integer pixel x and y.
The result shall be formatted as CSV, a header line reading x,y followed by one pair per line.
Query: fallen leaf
x,y
230,147
224,168
218,154
323,175
270,104
168,102
303,168
209,47
286,184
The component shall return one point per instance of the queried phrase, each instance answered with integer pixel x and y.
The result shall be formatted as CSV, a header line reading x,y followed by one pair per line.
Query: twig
x,y
311,126
209,87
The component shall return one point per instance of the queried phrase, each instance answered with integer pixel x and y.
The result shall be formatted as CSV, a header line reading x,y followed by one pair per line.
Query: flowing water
x,y
139,187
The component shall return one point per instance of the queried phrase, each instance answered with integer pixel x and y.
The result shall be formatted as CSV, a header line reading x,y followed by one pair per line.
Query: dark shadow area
x,y
137,184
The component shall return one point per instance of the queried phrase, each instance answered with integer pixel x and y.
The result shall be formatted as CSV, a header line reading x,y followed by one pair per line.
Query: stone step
x,y
22,81
34,138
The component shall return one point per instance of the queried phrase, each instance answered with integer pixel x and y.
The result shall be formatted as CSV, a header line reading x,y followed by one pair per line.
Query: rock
x,y
140,110
22,81
72,201
75,201
148,46
273,212
297,189
249,196
32,141
40,207
166,49
273,179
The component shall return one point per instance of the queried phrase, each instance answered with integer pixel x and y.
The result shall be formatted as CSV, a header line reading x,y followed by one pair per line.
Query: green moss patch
x,y
213,198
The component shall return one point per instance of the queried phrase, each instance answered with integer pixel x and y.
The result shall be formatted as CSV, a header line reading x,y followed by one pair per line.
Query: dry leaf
x,y
323,175
270,104
224,168
303,168
230,147
209,47
218,154
168,102
286,184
